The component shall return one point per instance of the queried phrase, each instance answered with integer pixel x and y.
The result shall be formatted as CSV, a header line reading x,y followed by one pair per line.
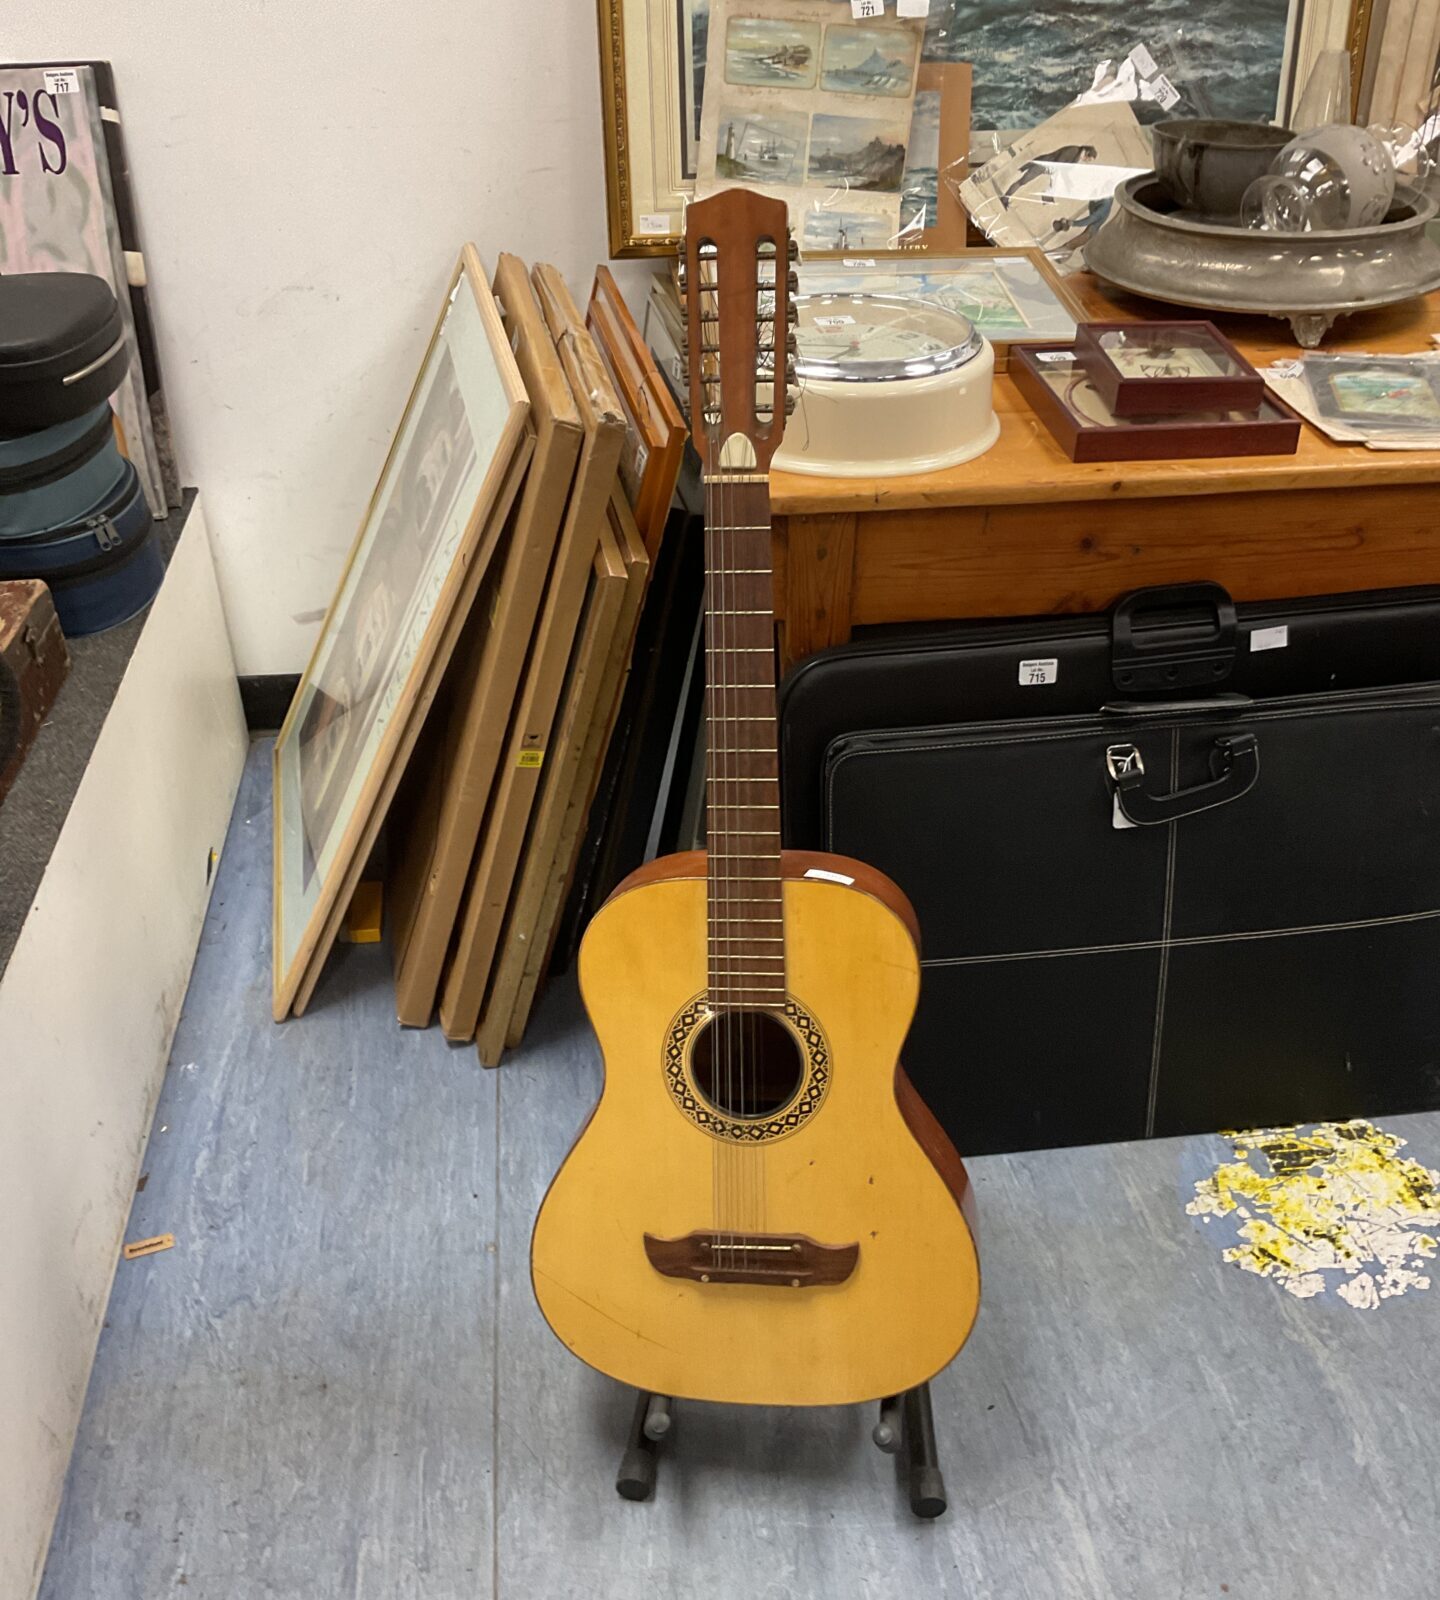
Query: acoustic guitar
x,y
760,1208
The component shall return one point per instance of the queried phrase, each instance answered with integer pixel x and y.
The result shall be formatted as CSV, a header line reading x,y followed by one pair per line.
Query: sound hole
x,y
747,1063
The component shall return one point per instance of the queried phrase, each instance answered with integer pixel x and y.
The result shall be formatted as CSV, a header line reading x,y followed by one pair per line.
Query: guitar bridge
x,y
781,1260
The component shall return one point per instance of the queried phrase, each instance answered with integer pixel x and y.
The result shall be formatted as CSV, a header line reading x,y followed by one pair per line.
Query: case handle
x,y
1234,761
1177,655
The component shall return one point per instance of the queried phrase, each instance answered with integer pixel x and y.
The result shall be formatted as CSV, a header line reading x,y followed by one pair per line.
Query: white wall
x,y
306,171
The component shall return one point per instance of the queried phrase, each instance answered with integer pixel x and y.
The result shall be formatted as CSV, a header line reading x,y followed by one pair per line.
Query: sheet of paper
x,y
1042,188
805,102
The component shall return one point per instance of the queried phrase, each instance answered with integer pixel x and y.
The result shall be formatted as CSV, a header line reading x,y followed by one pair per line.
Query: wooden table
x,y
1023,531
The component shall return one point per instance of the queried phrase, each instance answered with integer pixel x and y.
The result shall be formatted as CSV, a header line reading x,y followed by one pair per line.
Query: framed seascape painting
x,y
461,429
1243,59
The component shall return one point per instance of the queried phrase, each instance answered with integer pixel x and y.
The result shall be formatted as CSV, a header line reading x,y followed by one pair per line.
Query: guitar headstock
x,y
737,281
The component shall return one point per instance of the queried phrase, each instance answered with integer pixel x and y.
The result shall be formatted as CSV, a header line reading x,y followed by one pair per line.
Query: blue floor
x,y
337,1384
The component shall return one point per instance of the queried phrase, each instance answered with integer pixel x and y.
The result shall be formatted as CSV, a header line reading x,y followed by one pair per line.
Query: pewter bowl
x,y
1149,246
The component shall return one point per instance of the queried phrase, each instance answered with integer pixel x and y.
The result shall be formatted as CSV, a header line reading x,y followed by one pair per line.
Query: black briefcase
x,y
1177,868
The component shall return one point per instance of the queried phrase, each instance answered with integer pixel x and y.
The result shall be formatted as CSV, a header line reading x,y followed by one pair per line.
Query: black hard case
x,y
62,348
1266,955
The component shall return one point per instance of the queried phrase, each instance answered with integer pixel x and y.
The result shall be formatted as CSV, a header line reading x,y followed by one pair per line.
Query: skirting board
x,y
88,1006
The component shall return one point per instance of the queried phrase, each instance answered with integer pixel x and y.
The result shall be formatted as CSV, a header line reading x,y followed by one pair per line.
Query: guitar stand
x,y
906,1430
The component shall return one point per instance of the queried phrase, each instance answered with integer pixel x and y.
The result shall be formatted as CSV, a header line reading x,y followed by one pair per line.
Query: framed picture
x,y
1149,369
1012,296
1059,390
652,77
1401,78
1248,59
350,724
1382,393
655,430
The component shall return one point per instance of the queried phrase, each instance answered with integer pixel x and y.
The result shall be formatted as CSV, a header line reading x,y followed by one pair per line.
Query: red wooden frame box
x,y
1039,371
1160,390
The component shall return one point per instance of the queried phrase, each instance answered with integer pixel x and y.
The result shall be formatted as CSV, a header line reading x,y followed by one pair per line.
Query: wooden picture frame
x,y
1401,72
443,801
415,726
550,858
1323,25
1106,351
655,432
335,760
880,273
1272,430
503,836
649,104
651,69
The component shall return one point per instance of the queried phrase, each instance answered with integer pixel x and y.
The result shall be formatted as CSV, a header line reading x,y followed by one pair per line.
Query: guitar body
x,y
850,1272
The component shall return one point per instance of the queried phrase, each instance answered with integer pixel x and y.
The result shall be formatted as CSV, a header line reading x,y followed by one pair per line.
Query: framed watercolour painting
x,y
653,57
337,751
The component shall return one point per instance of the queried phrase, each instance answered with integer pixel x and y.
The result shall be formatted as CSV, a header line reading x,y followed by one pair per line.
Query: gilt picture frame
x,y
652,66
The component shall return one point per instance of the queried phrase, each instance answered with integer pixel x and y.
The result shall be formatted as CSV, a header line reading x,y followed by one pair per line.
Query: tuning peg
x,y
792,281
792,249
792,345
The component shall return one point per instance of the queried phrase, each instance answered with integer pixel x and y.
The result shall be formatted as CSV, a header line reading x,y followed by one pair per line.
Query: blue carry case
x,y
102,567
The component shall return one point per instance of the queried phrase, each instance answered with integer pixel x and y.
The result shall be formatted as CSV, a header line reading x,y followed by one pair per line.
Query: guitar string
x,y
697,281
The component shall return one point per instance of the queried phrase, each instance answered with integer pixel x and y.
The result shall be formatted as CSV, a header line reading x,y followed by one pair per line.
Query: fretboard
x,y
747,947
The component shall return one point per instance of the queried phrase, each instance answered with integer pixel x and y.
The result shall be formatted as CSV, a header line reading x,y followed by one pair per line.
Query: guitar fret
x,y
727,611
745,805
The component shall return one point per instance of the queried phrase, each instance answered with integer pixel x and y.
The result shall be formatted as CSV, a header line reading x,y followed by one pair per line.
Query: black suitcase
x,y
62,348
1177,868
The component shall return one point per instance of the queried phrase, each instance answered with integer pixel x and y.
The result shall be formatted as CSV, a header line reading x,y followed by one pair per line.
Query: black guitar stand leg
x,y
648,1426
907,1426
927,1485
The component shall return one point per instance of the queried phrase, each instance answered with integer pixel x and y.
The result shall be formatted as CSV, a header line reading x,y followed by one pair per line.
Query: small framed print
x,y
1058,388
1395,393
1012,296
1151,369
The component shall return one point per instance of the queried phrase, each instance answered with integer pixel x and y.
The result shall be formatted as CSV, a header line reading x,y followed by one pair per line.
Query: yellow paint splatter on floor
x,y
1330,1205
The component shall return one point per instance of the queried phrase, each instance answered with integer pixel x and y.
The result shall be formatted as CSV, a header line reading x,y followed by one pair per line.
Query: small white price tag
x,y
1144,61
1054,355
64,81
1036,672
912,8
861,9
653,222
827,324
1117,816
863,261
1286,369
1277,638
1165,92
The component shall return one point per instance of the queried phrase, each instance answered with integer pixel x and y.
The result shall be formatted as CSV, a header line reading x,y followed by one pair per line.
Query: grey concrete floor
x,y
337,1383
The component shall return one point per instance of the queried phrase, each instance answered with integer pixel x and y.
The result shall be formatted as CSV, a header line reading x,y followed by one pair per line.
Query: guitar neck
x,y
746,944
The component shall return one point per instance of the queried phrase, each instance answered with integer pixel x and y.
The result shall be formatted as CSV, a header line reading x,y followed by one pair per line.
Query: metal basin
x,y
1206,165
1149,246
